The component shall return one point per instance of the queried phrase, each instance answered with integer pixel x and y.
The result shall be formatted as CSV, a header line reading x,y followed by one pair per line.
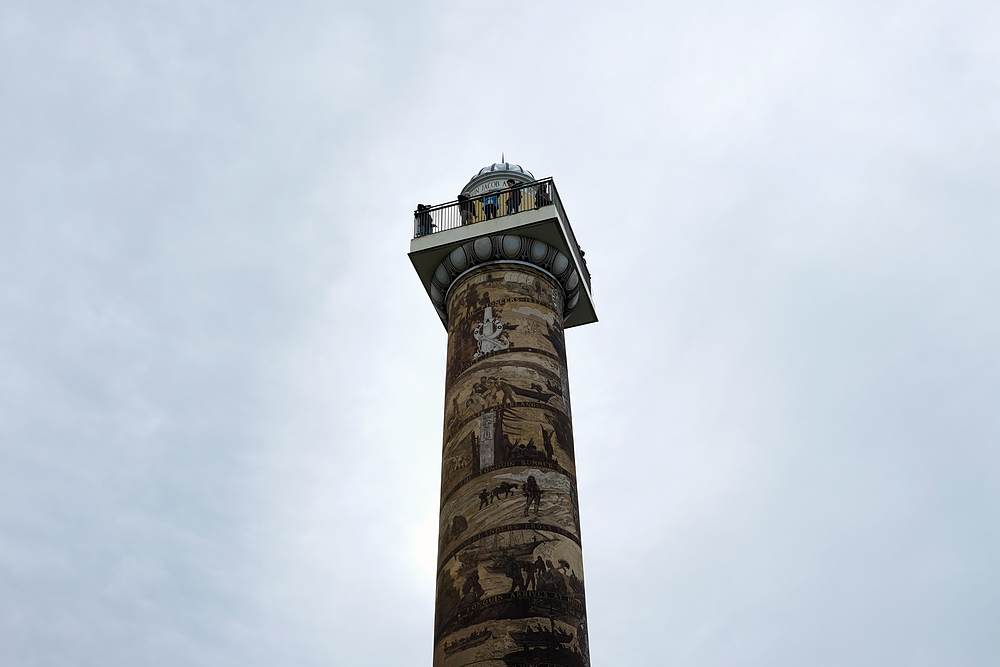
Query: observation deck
x,y
491,226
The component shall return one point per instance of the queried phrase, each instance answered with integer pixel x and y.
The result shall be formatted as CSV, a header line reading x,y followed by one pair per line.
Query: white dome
x,y
495,177
505,166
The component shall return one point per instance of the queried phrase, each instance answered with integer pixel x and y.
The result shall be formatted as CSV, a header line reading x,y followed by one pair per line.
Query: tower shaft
x,y
510,566
505,275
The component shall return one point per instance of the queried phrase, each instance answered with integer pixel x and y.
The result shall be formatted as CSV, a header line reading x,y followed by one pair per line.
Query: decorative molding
x,y
505,248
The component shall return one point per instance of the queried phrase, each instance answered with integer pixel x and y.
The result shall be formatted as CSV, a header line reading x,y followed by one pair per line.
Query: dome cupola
x,y
495,176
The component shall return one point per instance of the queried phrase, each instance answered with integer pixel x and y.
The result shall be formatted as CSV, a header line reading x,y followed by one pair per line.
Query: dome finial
x,y
502,159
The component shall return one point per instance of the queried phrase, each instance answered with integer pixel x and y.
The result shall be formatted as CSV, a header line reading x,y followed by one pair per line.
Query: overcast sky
x,y
221,384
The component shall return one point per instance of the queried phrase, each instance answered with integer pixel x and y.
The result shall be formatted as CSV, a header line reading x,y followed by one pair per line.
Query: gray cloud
x,y
221,385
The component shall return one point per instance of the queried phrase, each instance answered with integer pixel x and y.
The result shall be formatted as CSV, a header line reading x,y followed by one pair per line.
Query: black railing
x,y
484,206
495,204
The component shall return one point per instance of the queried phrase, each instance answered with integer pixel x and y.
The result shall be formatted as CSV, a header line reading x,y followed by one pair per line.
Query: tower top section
x,y
495,176
503,216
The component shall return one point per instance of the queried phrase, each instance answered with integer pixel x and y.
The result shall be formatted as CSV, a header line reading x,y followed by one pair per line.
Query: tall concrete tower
x,y
506,277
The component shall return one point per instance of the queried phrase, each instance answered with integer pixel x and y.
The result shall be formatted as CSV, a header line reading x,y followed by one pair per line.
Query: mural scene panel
x,y
516,596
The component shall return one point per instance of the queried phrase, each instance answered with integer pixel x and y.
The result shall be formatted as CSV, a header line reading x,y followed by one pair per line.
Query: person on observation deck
x,y
465,208
425,224
542,198
490,204
513,197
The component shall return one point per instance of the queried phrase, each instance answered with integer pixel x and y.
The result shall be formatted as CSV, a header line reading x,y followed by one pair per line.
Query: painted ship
x,y
475,639
541,637
555,656
538,395
501,548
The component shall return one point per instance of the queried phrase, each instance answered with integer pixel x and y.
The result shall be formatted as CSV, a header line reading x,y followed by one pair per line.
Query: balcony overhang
x,y
545,224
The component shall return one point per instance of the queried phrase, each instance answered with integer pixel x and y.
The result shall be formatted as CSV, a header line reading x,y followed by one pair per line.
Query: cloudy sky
x,y
221,384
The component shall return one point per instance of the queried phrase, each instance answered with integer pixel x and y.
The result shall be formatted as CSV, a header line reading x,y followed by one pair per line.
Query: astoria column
x,y
507,277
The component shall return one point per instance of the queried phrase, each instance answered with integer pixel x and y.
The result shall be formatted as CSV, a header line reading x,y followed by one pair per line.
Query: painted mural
x,y
510,572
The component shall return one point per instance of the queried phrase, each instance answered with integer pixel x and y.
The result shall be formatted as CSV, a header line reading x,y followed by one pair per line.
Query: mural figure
x,y
487,496
513,570
459,525
532,495
489,334
456,414
528,451
472,588
547,443
485,392
506,488
551,579
529,575
470,301
555,338
563,435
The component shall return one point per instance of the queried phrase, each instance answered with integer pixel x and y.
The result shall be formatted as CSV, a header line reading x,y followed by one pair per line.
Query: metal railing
x,y
495,204
485,206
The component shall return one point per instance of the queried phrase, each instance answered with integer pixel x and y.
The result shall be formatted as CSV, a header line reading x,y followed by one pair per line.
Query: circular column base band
x,y
505,247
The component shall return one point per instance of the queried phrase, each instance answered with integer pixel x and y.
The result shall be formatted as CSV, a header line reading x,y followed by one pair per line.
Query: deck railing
x,y
495,204
485,206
